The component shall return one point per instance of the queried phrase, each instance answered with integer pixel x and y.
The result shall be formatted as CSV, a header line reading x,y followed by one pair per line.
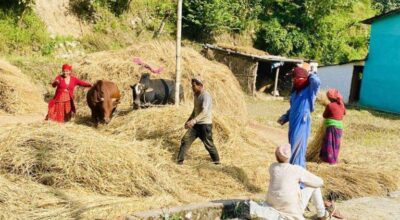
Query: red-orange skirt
x,y
60,111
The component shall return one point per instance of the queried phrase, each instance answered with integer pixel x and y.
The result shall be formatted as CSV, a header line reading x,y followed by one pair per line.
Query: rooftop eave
x,y
253,56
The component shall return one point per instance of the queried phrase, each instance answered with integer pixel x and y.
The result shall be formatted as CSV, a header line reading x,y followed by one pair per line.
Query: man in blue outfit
x,y
302,100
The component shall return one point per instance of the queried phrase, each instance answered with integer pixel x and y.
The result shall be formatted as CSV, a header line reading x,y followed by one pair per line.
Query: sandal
x,y
333,212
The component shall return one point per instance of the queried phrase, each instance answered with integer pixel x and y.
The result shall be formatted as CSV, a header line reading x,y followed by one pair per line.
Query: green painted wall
x,y
381,79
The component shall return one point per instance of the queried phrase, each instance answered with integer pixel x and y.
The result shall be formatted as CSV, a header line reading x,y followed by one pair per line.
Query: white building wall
x,y
338,77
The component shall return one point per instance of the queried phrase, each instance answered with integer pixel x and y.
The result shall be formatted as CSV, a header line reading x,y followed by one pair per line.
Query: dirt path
x,y
275,135
57,17
372,208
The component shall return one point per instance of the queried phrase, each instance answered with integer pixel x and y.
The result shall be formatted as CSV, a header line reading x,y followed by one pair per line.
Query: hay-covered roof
x,y
247,50
252,53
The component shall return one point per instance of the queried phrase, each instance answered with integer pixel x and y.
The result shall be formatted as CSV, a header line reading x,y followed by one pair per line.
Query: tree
x,y
204,19
325,30
384,6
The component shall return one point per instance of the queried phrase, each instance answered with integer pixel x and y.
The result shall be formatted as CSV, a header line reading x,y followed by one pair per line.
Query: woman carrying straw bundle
x,y
302,99
62,106
333,114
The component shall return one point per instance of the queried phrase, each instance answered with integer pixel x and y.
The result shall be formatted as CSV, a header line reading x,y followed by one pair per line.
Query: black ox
x,y
150,92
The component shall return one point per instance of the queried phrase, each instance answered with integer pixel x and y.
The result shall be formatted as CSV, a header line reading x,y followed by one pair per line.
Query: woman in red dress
x,y
62,106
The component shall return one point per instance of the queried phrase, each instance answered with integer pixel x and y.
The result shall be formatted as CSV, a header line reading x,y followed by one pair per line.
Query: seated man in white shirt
x,y
284,193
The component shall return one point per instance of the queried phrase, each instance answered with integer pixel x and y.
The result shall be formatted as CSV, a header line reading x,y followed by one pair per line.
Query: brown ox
x,y
103,99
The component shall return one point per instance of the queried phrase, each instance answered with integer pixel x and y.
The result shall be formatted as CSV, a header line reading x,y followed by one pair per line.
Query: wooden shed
x,y
254,69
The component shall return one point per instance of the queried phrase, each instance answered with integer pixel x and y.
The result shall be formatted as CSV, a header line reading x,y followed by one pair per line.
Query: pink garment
x,y
138,61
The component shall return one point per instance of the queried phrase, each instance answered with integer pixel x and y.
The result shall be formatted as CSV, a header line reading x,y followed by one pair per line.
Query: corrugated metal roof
x,y
357,62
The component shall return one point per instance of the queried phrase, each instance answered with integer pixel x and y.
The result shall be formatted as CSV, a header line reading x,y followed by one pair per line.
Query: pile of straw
x,y
64,159
314,146
74,171
18,94
128,162
129,165
346,181
118,67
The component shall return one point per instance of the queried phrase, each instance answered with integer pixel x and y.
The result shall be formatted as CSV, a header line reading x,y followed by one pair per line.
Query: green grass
x,y
25,37
29,36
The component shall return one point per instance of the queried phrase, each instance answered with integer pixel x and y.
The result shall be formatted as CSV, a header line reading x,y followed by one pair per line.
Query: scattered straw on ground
x,y
74,171
18,95
346,181
129,164
364,169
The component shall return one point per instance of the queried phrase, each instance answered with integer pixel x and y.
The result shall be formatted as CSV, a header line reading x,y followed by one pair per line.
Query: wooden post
x,y
178,52
253,85
276,82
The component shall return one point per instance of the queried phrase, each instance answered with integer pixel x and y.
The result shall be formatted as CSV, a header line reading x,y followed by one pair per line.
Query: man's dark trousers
x,y
204,132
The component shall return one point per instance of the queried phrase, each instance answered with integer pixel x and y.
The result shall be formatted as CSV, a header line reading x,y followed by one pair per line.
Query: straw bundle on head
x,y
322,98
18,94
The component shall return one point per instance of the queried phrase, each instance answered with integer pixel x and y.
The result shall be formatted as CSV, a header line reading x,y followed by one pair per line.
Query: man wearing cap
x,y
199,124
285,195
302,99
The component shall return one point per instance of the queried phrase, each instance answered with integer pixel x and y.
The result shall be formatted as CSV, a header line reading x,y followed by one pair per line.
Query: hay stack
x,y
128,162
24,199
18,94
57,156
315,145
118,67
129,165
346,181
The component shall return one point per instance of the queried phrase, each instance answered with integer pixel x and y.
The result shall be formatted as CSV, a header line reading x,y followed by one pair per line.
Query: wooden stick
x,y
178,52
276,82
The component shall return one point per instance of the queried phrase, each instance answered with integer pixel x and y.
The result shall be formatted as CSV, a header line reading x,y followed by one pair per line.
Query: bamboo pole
x,y
178,52
276,82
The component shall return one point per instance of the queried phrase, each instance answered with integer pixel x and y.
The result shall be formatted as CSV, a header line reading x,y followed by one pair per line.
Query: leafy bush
x,y
326,30
204,19
23,35
384,6
87,8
